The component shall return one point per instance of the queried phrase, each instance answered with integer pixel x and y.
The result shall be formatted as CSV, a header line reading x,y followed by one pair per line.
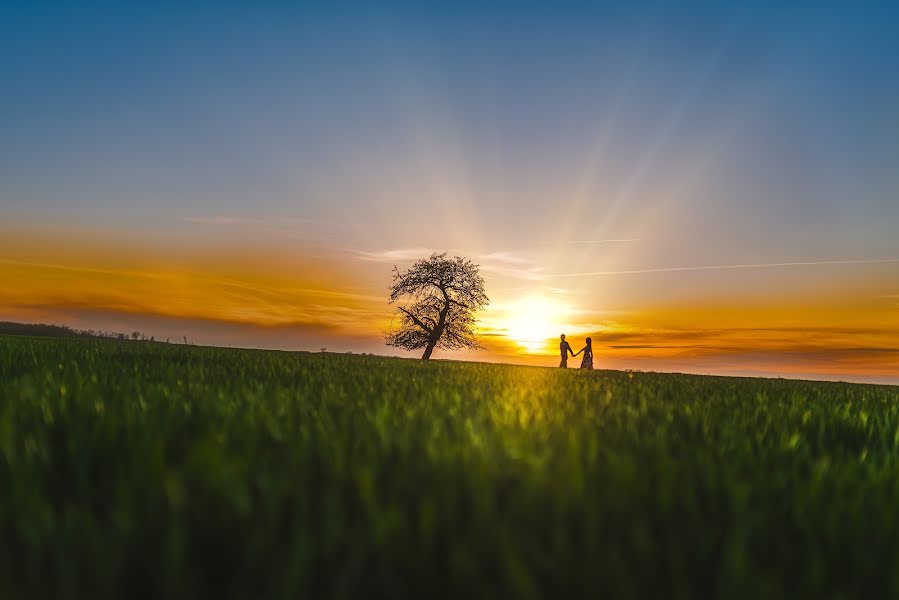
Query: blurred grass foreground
x,y
132,469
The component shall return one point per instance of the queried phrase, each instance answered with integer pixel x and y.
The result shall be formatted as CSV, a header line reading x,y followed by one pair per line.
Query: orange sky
x,y
260,287
709,189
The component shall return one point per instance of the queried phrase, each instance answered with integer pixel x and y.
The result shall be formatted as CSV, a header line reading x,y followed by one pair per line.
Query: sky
x,y
703,187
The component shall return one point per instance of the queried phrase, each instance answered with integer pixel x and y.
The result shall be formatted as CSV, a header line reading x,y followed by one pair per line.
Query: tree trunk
x,y
438,331
432,341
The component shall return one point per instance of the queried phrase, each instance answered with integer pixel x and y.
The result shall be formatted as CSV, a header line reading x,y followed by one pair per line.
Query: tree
x,y
442,295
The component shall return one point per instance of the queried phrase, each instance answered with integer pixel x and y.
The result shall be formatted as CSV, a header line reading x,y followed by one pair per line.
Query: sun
x,y
533,322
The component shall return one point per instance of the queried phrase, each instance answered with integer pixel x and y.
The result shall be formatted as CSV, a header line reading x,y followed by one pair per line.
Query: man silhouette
x,y
564,349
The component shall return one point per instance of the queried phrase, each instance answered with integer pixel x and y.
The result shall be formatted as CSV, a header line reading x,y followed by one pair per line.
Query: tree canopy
x,y
441,297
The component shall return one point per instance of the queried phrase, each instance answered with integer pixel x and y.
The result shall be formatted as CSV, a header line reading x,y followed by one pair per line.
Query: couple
x,y
565,348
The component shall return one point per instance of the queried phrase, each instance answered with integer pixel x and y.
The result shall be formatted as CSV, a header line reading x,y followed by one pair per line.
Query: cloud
x,y
177,292
527,273
607,241
596,241
511,265
225,221
282,227
218,220
727,267
504,257
834,349
503,263
663,347
396,254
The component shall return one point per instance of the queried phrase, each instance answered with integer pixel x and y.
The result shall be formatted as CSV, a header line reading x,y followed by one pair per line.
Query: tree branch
x,y
416,320
457,303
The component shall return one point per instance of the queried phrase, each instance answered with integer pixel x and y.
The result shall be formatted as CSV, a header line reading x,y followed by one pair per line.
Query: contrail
x,y
723,267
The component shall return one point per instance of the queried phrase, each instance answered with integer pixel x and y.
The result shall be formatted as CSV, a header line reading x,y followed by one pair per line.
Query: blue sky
x,y
221,108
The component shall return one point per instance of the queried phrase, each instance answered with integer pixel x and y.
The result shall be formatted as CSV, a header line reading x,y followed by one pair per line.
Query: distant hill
x,y
44,330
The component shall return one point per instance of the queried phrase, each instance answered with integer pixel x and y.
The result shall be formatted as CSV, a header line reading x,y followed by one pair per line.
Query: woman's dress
x,y
587,361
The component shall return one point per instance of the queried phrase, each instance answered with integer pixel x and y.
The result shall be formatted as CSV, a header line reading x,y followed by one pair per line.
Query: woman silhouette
x,y
587,361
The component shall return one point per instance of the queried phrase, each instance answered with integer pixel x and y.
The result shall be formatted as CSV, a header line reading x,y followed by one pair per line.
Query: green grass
x,y
131,469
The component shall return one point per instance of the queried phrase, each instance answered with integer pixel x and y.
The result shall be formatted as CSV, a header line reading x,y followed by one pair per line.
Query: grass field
x,y
135,469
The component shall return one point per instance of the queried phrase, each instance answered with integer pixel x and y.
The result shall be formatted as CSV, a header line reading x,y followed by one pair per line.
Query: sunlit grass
x,y
181,471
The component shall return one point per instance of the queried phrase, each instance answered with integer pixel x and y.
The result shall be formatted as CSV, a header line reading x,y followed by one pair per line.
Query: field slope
x,y
135,469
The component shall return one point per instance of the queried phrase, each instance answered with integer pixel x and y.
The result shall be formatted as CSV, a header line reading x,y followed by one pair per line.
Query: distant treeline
x,y
43,330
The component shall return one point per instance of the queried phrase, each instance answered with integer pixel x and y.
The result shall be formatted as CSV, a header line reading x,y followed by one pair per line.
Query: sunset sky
x,y
707,187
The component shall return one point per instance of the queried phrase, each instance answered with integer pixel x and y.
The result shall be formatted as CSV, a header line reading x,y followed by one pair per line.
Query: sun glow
x,y
533,322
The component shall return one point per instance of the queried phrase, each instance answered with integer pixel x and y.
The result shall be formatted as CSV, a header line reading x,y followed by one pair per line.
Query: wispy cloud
x,y
608,241
509,265
215,220
395,254
587,242
504,257
503,263
280,225
532,274
728,267
233,221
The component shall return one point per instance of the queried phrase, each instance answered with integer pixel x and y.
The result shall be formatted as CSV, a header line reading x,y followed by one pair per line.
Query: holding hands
x,y
565,350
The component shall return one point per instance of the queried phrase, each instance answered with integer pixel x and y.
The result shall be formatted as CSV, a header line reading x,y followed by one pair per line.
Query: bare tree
x,y
442,296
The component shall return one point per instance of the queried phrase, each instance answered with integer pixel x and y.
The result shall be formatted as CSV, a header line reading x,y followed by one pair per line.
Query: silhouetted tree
x,y
443,294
